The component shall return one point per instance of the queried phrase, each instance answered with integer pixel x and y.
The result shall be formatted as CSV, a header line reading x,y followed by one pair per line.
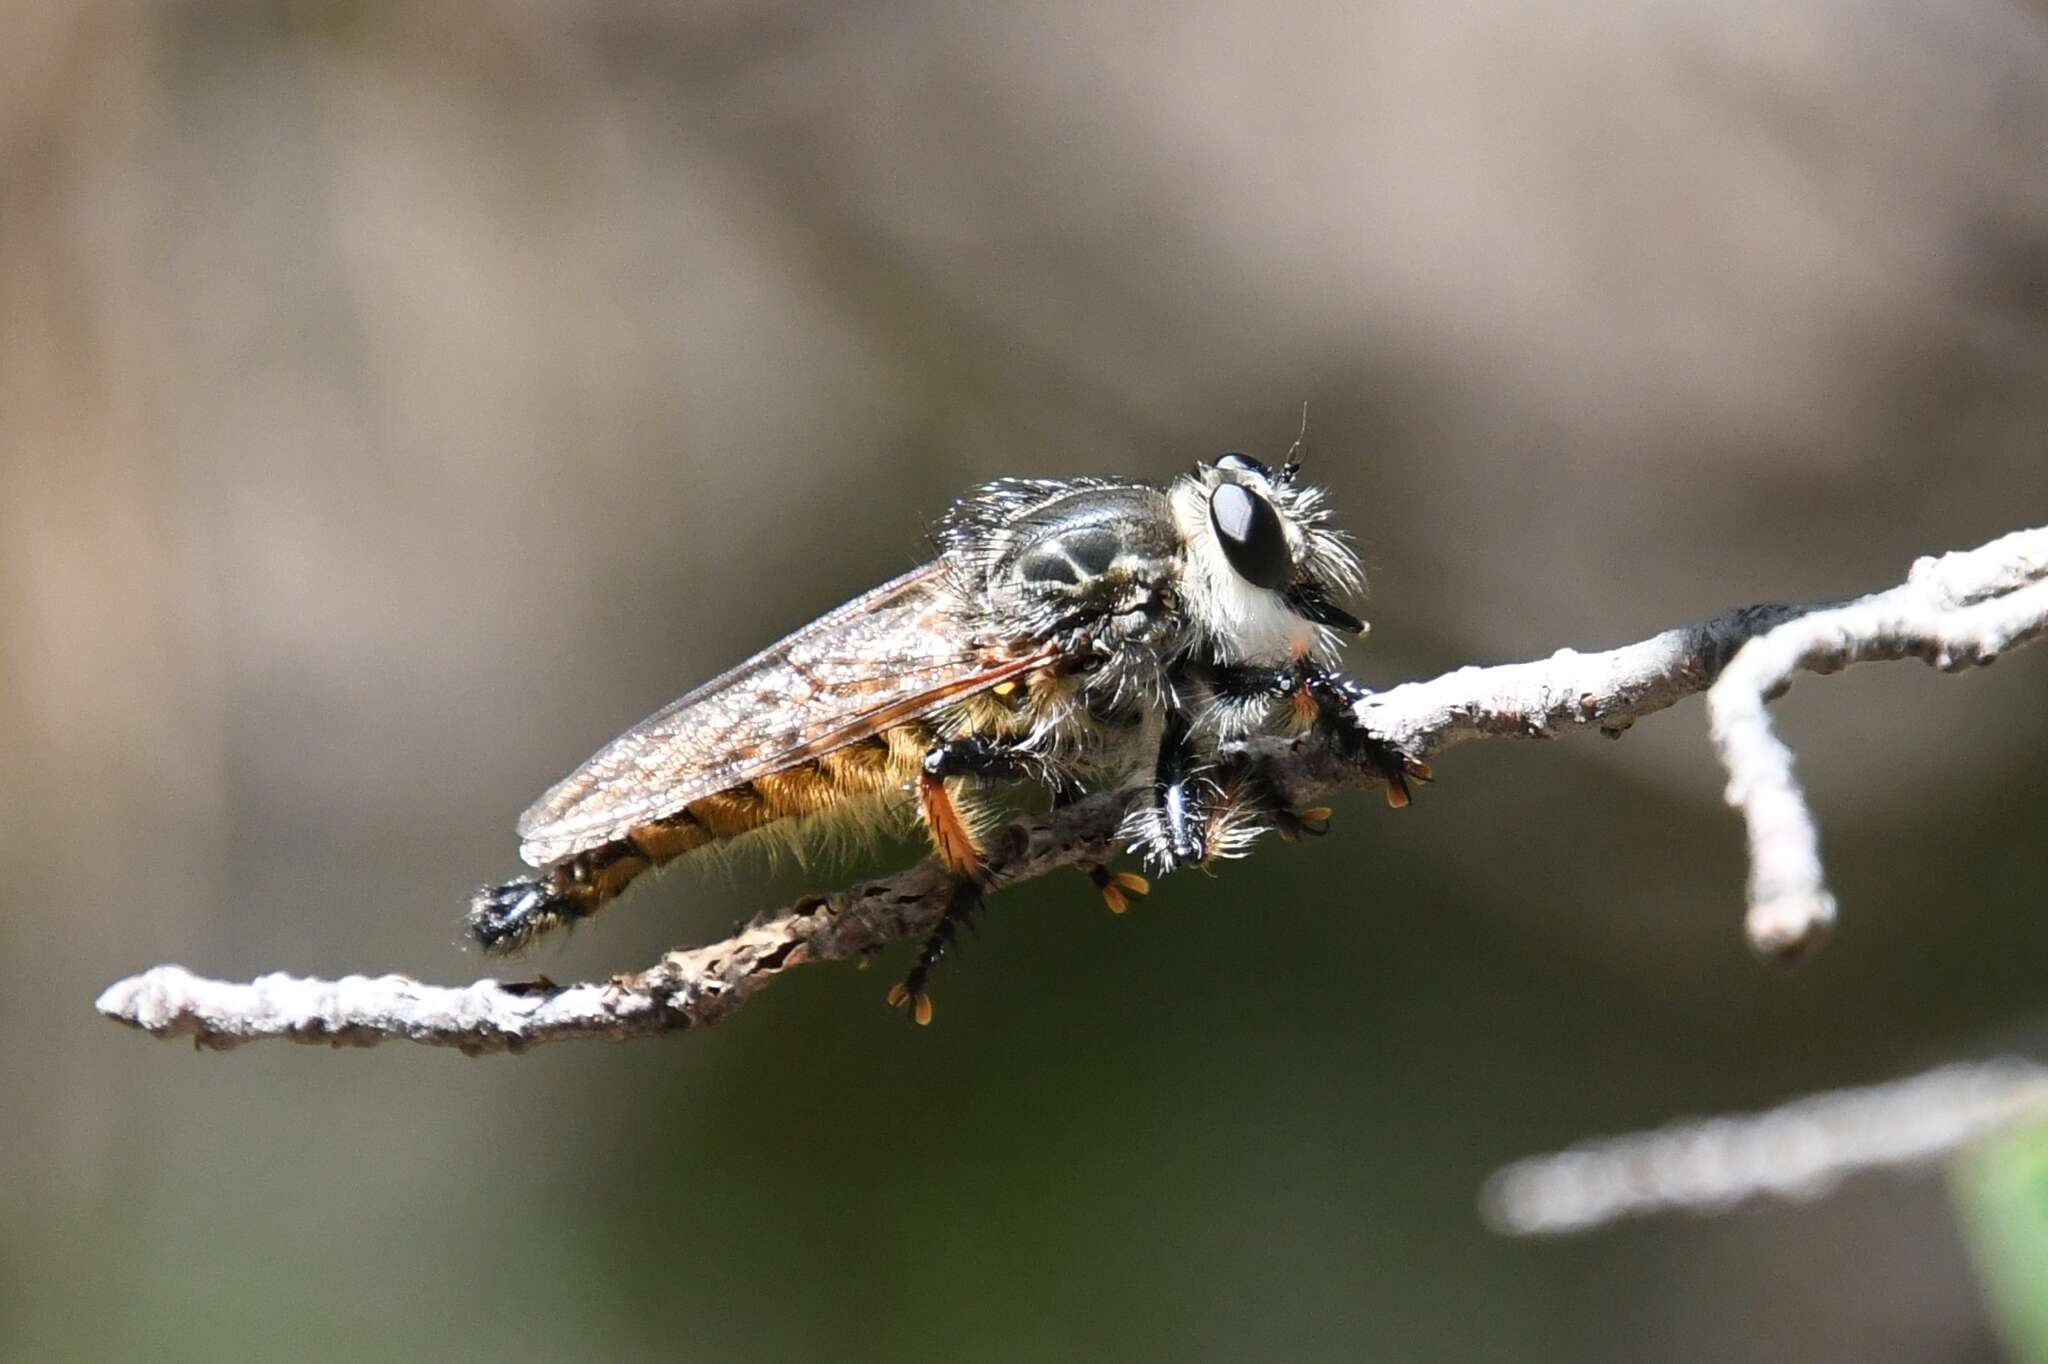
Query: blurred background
x,y
399,399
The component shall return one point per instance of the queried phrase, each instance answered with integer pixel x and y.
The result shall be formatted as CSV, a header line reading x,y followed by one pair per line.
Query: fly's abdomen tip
x,y
504,918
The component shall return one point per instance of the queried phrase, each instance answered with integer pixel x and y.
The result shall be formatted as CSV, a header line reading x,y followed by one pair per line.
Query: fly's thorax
x,y
1095,566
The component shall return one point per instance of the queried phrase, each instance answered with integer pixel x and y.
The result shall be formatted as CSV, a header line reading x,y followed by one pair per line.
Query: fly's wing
x,y
890,656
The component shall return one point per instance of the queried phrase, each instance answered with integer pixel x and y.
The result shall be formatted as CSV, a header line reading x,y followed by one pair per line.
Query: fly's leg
x,y
1117,888
1328,702
1254,801
1336,699
962,905
1172,829
972,756
977,755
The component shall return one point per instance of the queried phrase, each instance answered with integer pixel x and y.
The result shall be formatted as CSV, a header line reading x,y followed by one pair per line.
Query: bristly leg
x,y
965,901
977,755
1255,802
1172,829
972,756
1328,702
1337,701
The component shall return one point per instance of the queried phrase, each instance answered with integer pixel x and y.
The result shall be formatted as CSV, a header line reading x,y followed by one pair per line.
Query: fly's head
x,y
1234,558
1263,568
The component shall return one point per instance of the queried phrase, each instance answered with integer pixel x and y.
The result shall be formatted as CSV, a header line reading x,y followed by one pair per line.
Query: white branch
x,y
1801,1150
1958,610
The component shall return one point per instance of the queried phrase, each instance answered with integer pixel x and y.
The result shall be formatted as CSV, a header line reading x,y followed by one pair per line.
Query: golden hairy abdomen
x,y
850,791
879,766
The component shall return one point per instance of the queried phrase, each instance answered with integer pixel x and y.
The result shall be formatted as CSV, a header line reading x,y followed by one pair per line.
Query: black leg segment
x,y
1181,796
961,907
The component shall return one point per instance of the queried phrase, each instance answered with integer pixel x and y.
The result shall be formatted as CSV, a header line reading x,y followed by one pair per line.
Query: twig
x,y
1801,1150
1955,612
1961,609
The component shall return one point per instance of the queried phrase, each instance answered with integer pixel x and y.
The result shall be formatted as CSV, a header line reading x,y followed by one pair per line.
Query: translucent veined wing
x,y
893,655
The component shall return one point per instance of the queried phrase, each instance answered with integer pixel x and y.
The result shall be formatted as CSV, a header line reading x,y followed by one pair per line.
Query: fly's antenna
x,y
1293,466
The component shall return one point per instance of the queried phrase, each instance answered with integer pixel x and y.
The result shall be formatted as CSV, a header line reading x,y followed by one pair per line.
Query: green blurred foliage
x,y
2001,1190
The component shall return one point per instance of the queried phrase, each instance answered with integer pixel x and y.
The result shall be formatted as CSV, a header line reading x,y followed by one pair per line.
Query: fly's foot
x,y
1118,889
920,1002
1397,768
1337,710
1327,702
1295,825
961,906
1258,800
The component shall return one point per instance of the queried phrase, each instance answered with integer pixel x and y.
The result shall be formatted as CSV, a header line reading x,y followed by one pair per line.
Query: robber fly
x,y
1069,634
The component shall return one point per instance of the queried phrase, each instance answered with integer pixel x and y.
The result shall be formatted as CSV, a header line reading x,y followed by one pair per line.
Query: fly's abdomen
x,y
861,776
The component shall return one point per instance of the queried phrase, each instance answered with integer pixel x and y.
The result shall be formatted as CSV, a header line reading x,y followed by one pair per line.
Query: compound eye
x,y
1251,535
1243,464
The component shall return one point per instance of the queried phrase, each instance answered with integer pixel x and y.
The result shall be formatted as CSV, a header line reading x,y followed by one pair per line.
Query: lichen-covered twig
x,y
1961,609
684,989
1800,1150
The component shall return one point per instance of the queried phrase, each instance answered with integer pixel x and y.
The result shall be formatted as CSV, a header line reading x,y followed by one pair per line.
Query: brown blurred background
x,y
399,399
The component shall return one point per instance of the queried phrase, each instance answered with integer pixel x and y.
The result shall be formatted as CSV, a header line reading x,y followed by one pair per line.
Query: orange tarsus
x,y
1118,889
949,833
920,1003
